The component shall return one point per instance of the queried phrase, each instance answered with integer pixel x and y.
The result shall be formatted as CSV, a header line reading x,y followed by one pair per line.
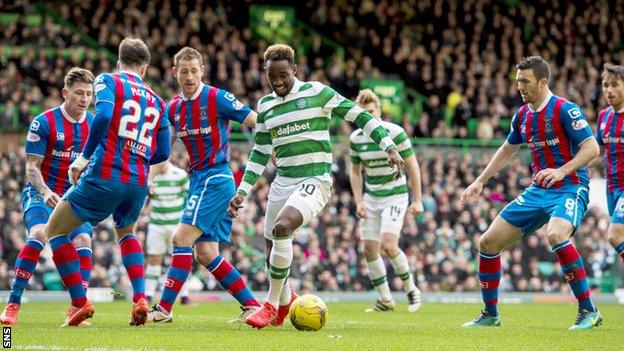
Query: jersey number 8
x,y
130,131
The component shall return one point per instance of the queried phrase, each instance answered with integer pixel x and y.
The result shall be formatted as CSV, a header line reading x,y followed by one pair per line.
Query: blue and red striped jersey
x,y
554,133
202,124
609,134
58,139
123,154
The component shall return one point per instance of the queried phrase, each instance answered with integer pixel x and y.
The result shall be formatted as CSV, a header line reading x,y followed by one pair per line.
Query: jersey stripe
x,y
111,140
214,126
564,141
47,161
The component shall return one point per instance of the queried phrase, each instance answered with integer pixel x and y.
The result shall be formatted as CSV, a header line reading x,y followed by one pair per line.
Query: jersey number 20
x,y
131,132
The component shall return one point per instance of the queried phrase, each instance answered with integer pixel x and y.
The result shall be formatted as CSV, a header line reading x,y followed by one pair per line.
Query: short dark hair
x,y
78,75
133,52
187,53
278,52
615,71
537,64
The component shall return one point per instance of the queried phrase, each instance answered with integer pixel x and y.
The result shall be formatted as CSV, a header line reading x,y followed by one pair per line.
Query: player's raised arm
x,y
104,88
339,106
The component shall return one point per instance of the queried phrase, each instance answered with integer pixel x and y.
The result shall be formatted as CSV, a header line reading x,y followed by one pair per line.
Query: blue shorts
x,y
37,212
210,191
615,202
94,199
535,206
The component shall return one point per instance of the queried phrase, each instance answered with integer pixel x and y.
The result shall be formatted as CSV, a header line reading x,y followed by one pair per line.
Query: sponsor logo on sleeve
x,y
34,126
99,87
237,105
32,137
574,113
579,124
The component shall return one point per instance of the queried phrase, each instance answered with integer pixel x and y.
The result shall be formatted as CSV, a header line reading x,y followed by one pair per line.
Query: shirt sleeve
x,y
599,133
515,136
229,107
575,124
37,137
104,88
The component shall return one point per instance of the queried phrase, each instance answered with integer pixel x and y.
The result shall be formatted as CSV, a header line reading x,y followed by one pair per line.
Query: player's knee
x,y
615,234
282,228
39,234
488,244
370,252
204,257
82,240
556,237
390,249
180,239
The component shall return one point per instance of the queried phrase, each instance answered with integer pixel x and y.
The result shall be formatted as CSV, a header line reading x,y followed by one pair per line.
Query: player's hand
x,y
548,177
151,187
360,211
395,160
472,192
51,199
76,168
416,208
236,204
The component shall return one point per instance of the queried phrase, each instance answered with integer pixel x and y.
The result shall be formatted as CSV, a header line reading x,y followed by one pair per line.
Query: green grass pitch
x,y
434,327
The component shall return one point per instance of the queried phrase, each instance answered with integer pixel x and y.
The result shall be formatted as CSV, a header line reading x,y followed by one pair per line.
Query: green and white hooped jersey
x,y
378,176
297,128
168,200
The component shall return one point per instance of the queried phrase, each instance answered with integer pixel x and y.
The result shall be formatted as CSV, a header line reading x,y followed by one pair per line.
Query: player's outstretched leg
x,y
25,265
489,277
572,267
229,278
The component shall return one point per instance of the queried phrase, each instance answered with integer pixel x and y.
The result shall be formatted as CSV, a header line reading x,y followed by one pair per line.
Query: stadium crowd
x,y
440,245
437,47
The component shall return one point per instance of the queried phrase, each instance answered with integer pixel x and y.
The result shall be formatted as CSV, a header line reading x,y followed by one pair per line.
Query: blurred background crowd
x,y
459,57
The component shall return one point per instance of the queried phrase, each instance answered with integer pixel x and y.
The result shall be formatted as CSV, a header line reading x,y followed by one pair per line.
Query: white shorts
x,y
158,240
308,196
384,216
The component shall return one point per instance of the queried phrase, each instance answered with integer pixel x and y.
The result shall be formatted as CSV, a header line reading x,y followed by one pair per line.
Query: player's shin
x,y
86,263
378,277
67,262
231,280
25,266
279,268
178,272
574,273
489,278
132,259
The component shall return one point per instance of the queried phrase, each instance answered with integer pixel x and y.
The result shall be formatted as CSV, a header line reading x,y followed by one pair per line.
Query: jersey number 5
x,y
130,131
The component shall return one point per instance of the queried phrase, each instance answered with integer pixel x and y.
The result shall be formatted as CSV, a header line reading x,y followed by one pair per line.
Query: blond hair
x,y
366,96
278,52
187,53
